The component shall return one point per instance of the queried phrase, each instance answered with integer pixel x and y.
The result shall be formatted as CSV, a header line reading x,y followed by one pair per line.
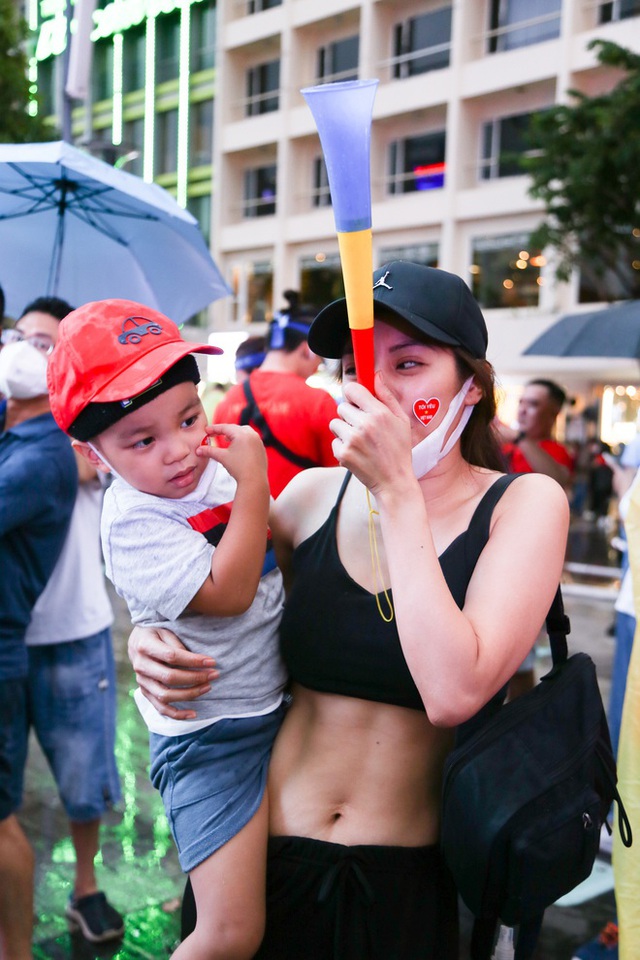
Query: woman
x,y
392,633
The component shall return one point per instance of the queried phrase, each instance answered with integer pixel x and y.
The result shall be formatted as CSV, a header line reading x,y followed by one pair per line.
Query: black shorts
x,y
326,901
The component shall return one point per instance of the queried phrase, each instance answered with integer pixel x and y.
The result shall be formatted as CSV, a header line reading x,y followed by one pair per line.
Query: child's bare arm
x,y
237,561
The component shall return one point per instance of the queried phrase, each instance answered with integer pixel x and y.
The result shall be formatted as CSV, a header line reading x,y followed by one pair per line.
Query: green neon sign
x,y
117,17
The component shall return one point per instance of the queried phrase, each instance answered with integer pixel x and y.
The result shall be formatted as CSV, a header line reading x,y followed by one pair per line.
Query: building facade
x,y
458,82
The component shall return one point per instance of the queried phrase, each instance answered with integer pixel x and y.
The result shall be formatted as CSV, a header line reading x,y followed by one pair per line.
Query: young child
x,y
186,543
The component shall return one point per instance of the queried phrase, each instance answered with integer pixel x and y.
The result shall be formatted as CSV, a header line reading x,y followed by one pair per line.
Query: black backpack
x,y
525,794
252,414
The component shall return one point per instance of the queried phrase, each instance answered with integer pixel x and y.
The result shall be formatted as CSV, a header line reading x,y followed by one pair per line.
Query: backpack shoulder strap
x,y
252,413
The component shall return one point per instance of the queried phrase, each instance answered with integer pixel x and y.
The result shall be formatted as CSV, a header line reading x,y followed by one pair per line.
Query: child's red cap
x,y
111,350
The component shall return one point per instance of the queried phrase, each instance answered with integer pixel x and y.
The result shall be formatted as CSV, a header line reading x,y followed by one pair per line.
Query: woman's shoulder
x,y
307,500
533,495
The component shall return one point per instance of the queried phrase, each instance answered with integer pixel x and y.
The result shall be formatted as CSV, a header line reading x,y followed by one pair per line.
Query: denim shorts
x,y
14,734
212,781
72,708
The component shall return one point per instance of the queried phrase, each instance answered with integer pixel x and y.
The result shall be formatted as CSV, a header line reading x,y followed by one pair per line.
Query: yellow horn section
x,y
356,254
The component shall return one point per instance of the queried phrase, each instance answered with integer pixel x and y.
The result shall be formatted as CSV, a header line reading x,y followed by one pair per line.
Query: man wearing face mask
x,y
38,484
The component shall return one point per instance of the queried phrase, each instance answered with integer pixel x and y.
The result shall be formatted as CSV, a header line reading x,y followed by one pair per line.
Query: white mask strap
x,y
101,458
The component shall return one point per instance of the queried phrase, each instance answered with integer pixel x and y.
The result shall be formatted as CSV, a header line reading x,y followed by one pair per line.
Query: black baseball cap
x,y
438,304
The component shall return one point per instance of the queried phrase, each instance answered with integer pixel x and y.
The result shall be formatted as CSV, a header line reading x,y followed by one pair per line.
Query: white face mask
x,y
23,371
430,451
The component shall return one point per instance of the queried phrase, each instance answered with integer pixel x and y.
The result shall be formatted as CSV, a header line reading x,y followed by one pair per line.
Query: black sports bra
x,y
332,636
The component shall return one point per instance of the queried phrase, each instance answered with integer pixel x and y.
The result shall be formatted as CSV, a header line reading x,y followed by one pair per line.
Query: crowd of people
x,y
336,588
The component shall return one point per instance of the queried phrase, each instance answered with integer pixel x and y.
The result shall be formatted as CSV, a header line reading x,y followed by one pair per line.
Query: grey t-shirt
x,y
157,559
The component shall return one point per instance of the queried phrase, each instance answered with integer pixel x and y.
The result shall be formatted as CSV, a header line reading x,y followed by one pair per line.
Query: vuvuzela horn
x,y
342,113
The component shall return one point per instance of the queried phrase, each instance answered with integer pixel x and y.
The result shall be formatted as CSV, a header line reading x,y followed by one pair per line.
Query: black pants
x,y
326,901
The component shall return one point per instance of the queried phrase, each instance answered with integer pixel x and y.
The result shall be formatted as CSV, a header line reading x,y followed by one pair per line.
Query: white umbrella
x,y
75,227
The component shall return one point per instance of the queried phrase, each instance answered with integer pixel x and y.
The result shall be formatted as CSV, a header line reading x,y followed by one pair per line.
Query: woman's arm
x,y
166,672
458,658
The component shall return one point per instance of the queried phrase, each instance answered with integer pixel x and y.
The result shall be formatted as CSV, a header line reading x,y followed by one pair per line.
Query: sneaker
x,y
94,917
603,947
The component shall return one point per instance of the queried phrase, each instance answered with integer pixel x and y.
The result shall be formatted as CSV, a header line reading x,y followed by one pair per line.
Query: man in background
x,y
38,483
291,417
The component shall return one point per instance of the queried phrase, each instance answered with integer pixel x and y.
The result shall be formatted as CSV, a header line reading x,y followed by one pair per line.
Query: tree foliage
x,y
16,125
584,166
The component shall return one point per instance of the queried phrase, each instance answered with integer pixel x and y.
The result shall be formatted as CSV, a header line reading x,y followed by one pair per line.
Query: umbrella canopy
x,y
75,227
610,332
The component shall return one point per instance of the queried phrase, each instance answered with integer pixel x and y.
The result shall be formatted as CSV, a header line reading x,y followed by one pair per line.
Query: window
x,y
504,141
422,43
133,59
417,163
255,6
259,292
200,208
505,272
203,35
619,10
260,191
166,141
102,70
132,144
201,133
600,282
321,195
48,84
512,24
339,60
167,47
424,253
321,279
263,84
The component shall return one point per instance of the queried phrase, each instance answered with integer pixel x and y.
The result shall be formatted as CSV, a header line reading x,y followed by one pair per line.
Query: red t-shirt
x,y
519,464
297,414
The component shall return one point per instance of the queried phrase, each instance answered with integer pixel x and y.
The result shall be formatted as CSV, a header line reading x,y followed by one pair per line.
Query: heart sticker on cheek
x,y
425,410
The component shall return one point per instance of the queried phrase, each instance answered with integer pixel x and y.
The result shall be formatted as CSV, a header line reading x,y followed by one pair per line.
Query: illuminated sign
x,y
116,17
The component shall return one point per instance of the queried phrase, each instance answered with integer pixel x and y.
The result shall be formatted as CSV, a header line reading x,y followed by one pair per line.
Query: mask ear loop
x,y
376,566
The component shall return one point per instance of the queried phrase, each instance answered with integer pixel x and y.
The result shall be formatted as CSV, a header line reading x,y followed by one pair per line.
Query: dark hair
x,y
2,301
556,393
250,353
479,442
54,306
290,326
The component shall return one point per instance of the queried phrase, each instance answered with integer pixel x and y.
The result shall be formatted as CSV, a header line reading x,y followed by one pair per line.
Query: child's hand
x,y
245,458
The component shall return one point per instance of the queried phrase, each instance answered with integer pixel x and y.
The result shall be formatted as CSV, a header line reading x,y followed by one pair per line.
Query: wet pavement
x,y
138,866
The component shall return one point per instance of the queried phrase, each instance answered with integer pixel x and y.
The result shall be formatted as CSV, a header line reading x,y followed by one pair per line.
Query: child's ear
x,y
89,455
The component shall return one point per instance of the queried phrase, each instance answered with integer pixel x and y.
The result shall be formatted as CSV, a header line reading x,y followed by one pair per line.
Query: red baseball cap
x,y
111,350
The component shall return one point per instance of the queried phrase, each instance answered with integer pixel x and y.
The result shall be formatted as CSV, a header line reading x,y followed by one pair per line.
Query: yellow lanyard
x,y
375,564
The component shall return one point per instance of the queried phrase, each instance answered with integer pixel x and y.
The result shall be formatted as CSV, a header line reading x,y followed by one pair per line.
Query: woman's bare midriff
x,y
353,771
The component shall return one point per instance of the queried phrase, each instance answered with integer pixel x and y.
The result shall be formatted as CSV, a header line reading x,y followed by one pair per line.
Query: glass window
x,y
506,272
424,253
168,47
48,84
422,43
201,133
321,279
133,59
321,195
203,36
600,283
102,69
339,60
200,207
619,10
263,84
260,191
518,23
166,141
255,6
417,163
259,292
504,141
133,144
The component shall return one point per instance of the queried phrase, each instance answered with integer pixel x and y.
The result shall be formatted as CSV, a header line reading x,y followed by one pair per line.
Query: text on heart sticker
x,y
425,410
